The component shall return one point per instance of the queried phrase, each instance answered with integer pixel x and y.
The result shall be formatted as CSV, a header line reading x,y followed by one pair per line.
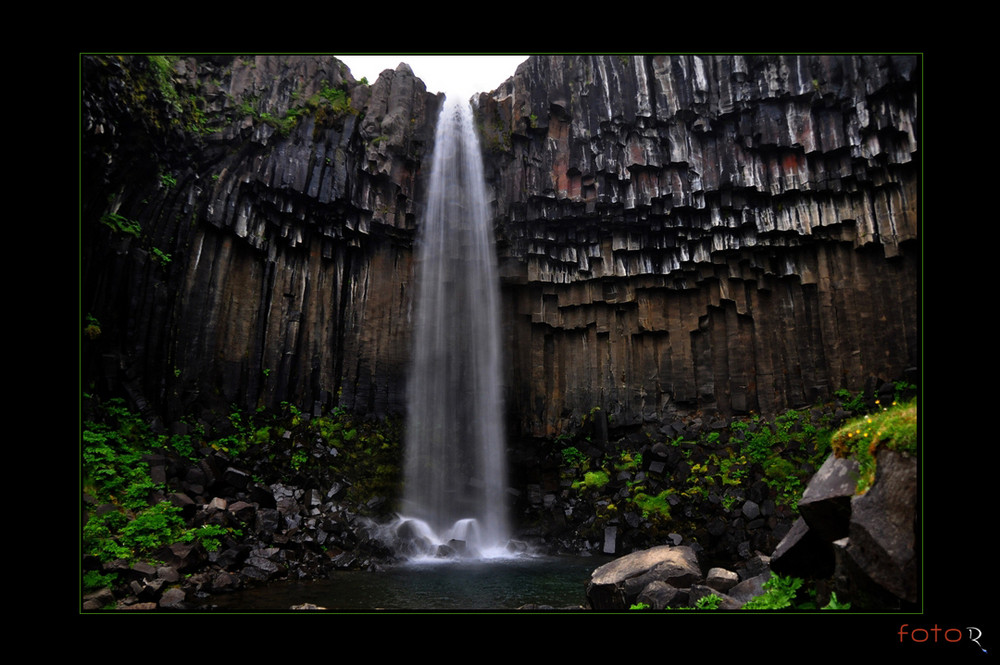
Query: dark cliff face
x,y
731,233
685,232
284,195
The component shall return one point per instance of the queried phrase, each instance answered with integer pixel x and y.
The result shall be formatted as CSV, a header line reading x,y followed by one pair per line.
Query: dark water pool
x,y
497,584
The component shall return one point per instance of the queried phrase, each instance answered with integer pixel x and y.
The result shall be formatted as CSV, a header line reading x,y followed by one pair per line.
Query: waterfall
x,y
455,442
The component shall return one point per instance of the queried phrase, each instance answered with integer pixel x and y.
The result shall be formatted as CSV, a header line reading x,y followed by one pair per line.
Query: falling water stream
x,y
454,470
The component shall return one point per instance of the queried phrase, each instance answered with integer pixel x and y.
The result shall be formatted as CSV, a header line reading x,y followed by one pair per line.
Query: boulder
x,y
825,509
617,585
699,591
826,503
721,579
658,595
866,543
98,599
749,588
173,599
883,527
803,553
183,557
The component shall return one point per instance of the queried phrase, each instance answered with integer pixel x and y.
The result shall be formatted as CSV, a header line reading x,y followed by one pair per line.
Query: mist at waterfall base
x,y
454,444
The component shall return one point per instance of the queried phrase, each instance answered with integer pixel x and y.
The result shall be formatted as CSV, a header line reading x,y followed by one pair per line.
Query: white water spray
x,y
455,471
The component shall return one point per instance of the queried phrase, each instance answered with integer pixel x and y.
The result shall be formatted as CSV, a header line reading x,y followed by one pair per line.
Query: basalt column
x,y
248,231
724,233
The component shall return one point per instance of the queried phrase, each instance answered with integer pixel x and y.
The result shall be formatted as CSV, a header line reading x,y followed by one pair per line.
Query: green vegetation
x,y
162,68
162,103
628,461
92,327
572,457
131,523
161,257
120,224
149,91
787,451
783,593
893,427
494,134
718,465
651,506
130,520
780,593
592,480
330,106
187,111
850,402
709,602
367,452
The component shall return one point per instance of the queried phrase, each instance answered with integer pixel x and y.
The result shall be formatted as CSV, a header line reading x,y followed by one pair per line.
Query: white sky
x,y
455,75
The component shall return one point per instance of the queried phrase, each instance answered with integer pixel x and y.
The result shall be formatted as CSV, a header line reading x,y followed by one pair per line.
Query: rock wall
x,y
285,194
692,232
676,232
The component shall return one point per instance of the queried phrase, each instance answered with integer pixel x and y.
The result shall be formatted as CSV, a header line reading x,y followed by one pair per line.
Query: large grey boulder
x,y
617,585
749,588
866,542
826,503
803,553
825,509
658,595
882,538
721,579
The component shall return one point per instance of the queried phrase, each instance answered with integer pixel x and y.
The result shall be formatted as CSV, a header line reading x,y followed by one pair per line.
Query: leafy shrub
x,y
368,452
785,450
93,580
779,592
113,535
855,403
709,602
121,224
112,457
99,536
756,436
159,525
572,457
209,535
